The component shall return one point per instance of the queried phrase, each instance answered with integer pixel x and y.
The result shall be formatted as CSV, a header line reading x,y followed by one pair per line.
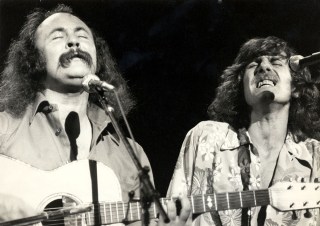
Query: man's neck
x,y
268,129
68,102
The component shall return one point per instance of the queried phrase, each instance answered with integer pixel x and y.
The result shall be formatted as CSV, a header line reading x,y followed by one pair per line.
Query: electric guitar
x,y
74,184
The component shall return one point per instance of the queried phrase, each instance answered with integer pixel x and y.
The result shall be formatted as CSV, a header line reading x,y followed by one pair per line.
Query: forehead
x,y
63,21
281,56
270,57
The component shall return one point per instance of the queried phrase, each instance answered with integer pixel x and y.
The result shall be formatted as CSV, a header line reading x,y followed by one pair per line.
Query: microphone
x,y
298,62
92,83
266,97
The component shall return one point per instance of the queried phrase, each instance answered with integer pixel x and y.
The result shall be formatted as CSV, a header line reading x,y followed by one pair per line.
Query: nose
x,y
73,42
264,66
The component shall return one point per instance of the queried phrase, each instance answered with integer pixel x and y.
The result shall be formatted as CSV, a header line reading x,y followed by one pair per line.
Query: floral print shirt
x,y
208,163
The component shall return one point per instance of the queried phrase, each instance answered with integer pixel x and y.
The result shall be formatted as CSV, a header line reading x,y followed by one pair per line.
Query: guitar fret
x,y
105,213
215,201
227,194
76,222
204,203
138,208
154,210
192,203
117,211
240,195
130,210
123,210
89,215
254,196
110,209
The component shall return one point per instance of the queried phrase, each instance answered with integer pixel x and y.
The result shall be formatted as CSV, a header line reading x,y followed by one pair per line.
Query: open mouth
x,y
266,82
79,55
76,56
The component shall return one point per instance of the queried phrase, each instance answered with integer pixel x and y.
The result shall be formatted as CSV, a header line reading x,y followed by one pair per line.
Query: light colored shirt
x,y
208,162
38,139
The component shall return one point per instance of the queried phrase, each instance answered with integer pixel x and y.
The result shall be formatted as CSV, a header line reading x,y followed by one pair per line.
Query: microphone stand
x,y
147,191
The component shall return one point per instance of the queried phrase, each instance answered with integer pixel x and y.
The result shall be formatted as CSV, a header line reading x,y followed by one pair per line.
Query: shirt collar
x,y
38,104
297,150
96,114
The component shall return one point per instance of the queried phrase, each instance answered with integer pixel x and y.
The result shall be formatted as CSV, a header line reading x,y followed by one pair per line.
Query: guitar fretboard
x,y
115,212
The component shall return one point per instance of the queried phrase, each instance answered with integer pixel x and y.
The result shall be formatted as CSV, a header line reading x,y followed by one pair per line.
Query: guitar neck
x,y
116,212
231,200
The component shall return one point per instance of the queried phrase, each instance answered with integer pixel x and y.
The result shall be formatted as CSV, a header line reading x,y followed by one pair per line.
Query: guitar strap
x,y
244,161
95,192
263,210
214,214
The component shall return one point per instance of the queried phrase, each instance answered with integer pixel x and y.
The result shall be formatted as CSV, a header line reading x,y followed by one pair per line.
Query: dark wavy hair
x,y
230,106
24,70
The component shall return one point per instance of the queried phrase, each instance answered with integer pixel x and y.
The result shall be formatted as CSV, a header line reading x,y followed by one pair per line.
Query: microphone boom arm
x,y
148,192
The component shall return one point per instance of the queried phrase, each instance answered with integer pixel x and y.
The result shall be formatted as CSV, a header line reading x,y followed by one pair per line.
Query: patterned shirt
x,y
208,163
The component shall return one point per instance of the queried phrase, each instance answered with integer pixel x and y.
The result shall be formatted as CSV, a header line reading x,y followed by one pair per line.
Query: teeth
x,y
265,82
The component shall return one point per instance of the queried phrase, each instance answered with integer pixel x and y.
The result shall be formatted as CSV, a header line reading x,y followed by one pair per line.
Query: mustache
x,y
271,75
65,58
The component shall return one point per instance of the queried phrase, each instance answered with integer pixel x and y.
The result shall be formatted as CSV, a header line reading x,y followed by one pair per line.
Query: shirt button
x,y
50,107
58,131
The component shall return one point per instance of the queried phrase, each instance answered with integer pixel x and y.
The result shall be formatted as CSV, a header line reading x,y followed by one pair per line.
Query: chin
x,y
78,71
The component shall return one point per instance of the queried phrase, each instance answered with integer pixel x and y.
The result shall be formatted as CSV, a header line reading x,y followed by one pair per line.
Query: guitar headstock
x,y
293,195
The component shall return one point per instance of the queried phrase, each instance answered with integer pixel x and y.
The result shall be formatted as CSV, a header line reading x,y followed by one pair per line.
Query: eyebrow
x,y
270,57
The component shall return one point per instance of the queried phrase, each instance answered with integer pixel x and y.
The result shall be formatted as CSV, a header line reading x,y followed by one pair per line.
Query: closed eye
x,y
57,34
252,65
277,62
57,37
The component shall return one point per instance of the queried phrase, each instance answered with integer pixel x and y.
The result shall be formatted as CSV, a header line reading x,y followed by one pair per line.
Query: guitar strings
x,y
118,209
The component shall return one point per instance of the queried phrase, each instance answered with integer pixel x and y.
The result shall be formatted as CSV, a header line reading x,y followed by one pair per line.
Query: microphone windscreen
x,y
267,97
86,82
294,62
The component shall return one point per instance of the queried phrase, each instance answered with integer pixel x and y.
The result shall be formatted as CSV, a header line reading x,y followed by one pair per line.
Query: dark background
x,y
172,53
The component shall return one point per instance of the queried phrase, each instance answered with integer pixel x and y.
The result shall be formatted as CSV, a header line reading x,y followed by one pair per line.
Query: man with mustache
x,y
264,129
49,120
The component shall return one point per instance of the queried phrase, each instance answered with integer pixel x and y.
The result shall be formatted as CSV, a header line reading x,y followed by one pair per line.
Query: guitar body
x,y
75,183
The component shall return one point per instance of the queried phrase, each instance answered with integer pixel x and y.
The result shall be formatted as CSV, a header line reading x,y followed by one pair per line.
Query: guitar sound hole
x,y
52,206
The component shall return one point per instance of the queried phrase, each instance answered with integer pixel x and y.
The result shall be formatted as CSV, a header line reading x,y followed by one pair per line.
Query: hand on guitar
x,y
13,208
183,216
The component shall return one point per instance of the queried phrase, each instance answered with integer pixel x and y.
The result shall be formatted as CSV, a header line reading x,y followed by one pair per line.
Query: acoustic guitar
x,y
74,184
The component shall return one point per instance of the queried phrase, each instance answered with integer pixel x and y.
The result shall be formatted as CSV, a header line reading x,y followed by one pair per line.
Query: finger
x,y
186,208
171,210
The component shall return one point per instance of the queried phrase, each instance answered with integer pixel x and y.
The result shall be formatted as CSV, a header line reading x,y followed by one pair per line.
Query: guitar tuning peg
x,y
307,214
294,215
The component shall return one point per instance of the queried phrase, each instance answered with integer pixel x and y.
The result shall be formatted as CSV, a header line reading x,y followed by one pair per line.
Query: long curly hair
x,y
230,106
25,71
